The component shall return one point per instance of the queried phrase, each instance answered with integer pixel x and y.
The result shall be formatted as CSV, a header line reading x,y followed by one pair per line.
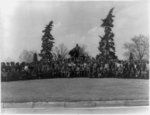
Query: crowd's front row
x,y
11,71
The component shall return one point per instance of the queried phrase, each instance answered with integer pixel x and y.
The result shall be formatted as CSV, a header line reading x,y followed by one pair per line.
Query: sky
x,y
79,22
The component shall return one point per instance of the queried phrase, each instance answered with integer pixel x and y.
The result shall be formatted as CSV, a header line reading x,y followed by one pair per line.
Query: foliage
x,y
26,56
139,47
131,57
60,52
106,45
35,59
47,43
82,51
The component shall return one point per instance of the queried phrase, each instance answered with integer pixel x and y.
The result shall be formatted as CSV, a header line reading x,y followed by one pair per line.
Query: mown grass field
x,y
74,89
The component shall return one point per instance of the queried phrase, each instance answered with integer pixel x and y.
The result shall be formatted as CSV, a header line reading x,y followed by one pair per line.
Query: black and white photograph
x,y
74,57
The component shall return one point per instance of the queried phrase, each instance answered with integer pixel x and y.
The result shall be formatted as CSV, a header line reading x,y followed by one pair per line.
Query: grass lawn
x,y
74,89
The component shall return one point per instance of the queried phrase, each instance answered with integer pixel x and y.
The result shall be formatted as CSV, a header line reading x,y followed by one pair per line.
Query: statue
x,y
74,53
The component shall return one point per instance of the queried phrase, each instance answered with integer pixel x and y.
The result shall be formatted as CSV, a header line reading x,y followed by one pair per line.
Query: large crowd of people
x,y
69,68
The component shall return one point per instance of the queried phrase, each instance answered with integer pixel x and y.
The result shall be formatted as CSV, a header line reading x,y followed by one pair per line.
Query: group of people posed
x,y
72,68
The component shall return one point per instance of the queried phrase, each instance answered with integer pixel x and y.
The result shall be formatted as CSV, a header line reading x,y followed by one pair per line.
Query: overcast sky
x,y
74,22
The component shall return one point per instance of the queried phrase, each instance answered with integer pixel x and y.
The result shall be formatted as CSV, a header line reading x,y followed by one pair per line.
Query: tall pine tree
x,y
106,45
47,43
35,59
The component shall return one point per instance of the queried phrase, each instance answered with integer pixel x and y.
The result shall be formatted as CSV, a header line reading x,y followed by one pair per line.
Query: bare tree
x,y
82,50
139,47
60,52
26,56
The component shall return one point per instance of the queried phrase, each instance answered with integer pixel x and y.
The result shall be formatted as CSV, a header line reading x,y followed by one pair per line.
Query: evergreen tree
x,y
35,59
106,45
47,43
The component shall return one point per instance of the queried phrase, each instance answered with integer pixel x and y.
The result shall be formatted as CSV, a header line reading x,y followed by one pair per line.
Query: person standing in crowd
x,y
76,68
